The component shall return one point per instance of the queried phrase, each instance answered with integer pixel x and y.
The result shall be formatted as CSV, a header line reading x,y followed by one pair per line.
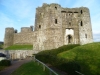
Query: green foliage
x,y
1,46
31,68
20,47
50,56
54,52
5,63
87,56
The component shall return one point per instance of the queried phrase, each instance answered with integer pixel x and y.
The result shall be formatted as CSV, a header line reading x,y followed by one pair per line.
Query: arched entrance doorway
x,y
69,38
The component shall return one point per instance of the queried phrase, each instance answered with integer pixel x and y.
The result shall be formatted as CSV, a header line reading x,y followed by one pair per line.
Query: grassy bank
x,y
50,56
87,56
20,47
30,68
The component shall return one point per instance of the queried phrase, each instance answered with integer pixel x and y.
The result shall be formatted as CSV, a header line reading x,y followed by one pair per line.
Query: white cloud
x,y
20,8
96,37
4,22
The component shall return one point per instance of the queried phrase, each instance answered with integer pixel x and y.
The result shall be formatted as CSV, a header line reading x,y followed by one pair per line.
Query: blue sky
x,y
21,13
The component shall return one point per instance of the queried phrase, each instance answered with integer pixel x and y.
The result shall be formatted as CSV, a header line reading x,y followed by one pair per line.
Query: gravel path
x,y
14,66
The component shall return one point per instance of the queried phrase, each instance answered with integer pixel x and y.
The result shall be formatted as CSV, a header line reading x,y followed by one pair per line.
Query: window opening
x,y
85,35
81,11
69,23
39,26
55,21
56,8
81,23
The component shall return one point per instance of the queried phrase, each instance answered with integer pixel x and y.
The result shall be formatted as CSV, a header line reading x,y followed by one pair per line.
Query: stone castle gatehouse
x,y
55,26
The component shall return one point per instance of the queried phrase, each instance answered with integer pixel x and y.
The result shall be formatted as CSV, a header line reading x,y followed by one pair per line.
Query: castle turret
x,y
9,35
85,29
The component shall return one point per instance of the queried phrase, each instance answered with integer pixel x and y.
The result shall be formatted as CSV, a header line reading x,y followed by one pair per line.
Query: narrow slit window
x,y
81,23
55,21
69,23
39,26
81,11
85,35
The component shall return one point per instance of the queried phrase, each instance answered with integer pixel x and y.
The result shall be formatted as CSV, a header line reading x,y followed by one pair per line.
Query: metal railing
x,y
79,73
51,72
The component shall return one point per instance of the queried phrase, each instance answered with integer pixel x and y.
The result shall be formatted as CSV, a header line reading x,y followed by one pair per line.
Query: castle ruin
x,y
55,26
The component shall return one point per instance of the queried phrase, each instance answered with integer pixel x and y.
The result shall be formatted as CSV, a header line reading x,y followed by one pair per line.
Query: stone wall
x,y
47,39
23,38
17,54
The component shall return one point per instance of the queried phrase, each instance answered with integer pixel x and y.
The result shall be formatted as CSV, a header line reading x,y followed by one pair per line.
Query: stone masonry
x,y
55,26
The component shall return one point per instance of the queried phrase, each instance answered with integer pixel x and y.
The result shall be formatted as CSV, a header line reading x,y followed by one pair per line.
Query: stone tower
x,y
9,36
66,25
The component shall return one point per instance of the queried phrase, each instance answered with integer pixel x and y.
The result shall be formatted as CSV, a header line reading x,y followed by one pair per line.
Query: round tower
x,y
9,35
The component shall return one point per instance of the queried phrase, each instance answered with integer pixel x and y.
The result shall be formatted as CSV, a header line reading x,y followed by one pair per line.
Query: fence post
x,y
50,73
43,67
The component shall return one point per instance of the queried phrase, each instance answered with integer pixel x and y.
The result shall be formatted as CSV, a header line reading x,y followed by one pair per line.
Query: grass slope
x,y
20,47
87,56
30,68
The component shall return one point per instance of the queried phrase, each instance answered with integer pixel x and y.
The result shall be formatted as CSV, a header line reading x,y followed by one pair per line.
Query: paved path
x,y
14,66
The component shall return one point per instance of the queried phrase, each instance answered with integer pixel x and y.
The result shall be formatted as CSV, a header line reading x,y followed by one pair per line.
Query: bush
x,y
50,56
70,67
5,63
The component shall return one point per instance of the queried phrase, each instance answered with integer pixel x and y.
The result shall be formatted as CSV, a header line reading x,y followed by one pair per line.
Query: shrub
x,y
5,63
70,67
50,56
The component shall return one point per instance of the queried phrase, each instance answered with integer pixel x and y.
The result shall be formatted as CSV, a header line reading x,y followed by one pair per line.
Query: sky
x,y
21,13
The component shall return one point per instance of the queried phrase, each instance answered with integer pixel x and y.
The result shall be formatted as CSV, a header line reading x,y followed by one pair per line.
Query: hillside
x,y
87,56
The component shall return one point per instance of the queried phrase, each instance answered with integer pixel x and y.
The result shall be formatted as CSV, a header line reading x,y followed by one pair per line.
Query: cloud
x,y
96,37
20,8
4,22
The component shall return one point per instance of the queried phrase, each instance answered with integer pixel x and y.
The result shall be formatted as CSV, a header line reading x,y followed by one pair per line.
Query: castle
x,y
55,26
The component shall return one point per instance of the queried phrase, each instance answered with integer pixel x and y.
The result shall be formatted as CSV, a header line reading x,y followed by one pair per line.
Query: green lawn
x,y
31,68
20,47
87,56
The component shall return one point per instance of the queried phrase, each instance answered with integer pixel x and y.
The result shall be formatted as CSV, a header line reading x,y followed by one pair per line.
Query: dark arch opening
x,y
69,38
